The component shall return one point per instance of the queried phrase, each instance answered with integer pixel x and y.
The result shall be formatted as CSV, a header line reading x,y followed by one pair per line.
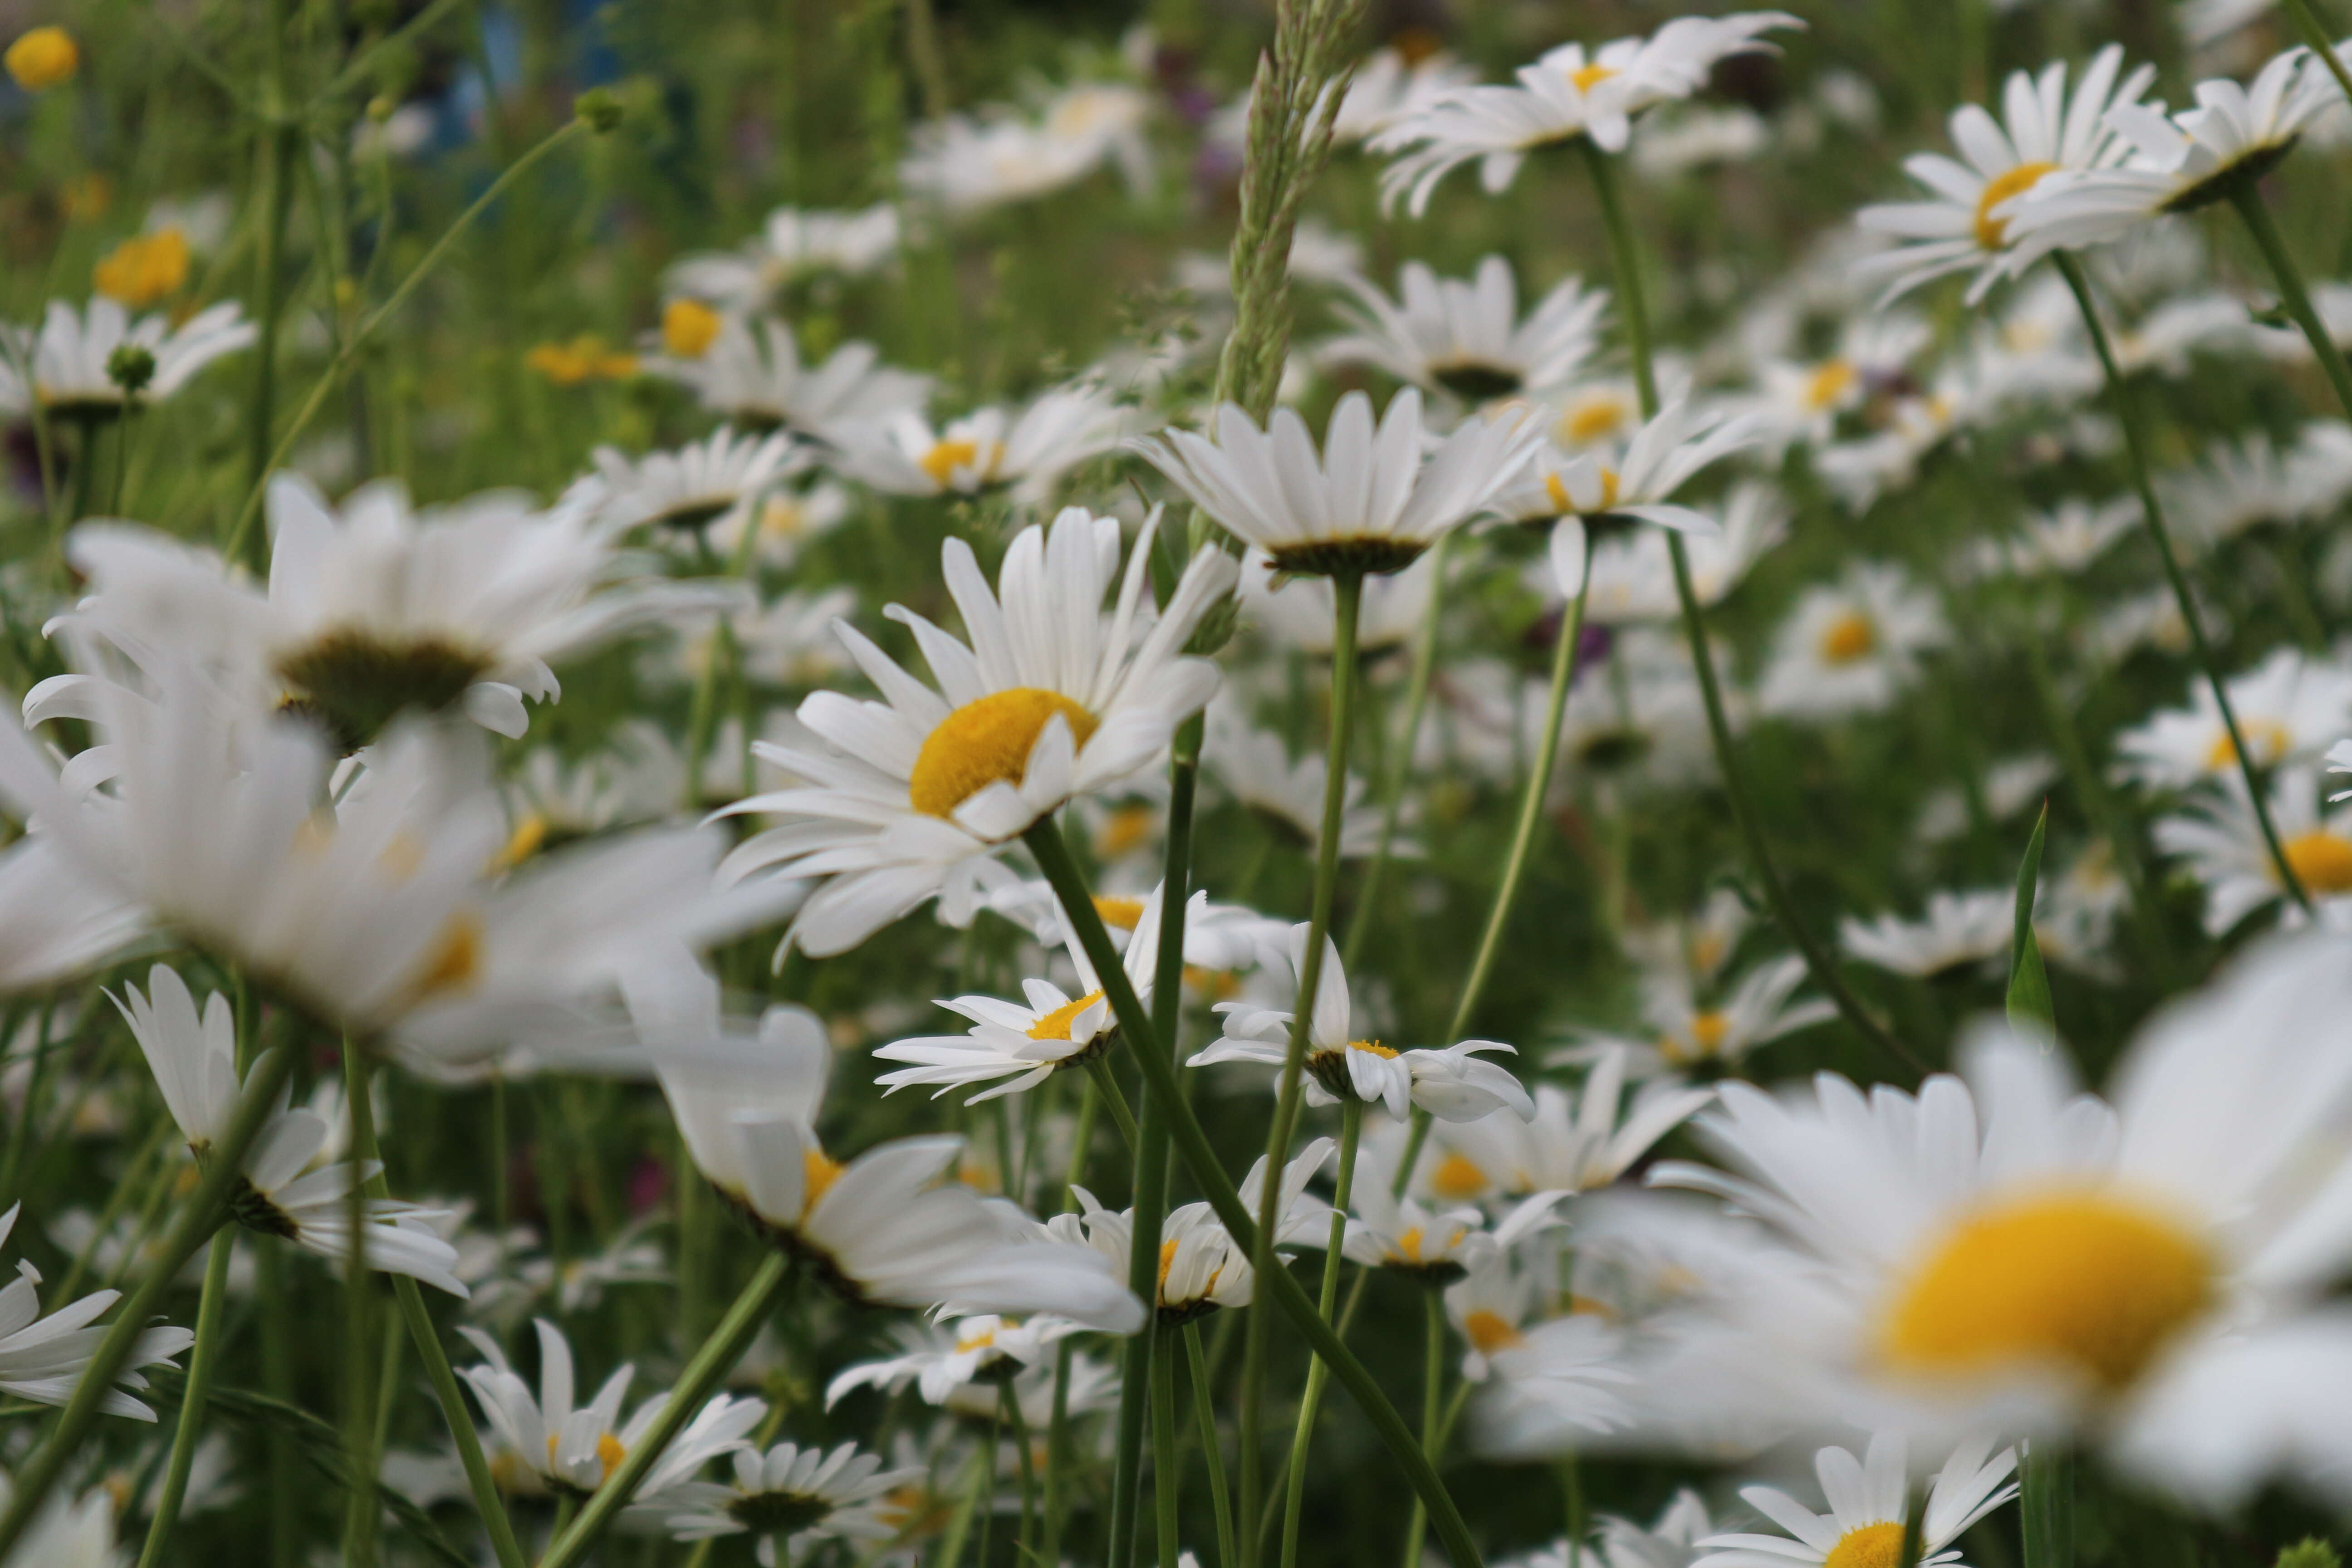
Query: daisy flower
x,y
1671,1542
1372,500
2179,162
750,373
55,922
1954,929
1564,95
967,167
2060,542
941,1358
2288,707
1756,1011
1254,767
1390,83
881,1229
1550,1386
1629,575
66,1532
909,798
1467,338
1964,226
1578,1139
1690,951
801,1495
1433,1247
1801,400
1852,647
2218,838
2242,483
787,522
1451,1084
1869,1502
71,355
42,1358
714,483
571,1450
792,244
194,1059
988,450
2149,1273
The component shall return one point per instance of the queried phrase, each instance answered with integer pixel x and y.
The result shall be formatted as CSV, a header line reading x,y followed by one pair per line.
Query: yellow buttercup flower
x,y
689,329
43,58
144,269
584,358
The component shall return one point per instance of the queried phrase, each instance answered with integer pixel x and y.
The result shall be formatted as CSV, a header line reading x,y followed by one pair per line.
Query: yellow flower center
x,y
976,1341
1868,1546
455,960
1373,1048
1126,828
817,1175
1586,78
1408,1246
985,741
2321,862
143,268
1458,1176
1829,382
1850,637
689,329
1166,1258
1708,1031
584,359
521,844
2267,738
1490,1331
1055,1025
2086,1280
1124,913
1589,418
42,59
946,457
609,1452
1556,489
1992,233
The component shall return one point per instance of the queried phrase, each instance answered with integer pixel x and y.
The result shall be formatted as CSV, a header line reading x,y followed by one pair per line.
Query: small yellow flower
x,y
584,358
144,269
688,328
42,59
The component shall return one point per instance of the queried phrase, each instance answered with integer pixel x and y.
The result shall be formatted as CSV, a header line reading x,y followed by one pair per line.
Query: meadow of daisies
x,y
993,786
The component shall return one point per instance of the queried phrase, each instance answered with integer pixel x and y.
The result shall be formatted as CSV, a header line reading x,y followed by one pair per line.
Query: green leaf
x,y
2028,981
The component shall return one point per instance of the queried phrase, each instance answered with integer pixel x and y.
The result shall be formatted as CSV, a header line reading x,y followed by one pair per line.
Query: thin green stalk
x,y
1167,1463
1057,1455
1053,857
1106,1090
1572,1488
204,1216
1028,1463
1392,780
360,1507
2047,1507
126,1186
988,1505
1433,1408
1352,1130
1347,598
1631,305
2247,197
1204,1416
275,457
717,1357
2315,34
202,1358
2152,514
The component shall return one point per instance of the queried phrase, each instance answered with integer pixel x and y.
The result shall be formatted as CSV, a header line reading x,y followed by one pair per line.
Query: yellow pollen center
x,y
1591,419
610,1452
1708,1033
455,960
979,1342
1868,1546
2267,738
143,269
1851,637
985,741
1589,77
521,844
2084,1281
1992,233
1490,1331
1166,1258
1408,1246
1829,382
1373,1048
817,1175
946,457
689,329
2321,862
1457,1176
1124,913
1127,827
1055,1025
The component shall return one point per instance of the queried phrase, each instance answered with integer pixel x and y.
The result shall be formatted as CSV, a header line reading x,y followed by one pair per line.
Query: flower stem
x,y
2314,33
1819,962
1416,704
2247,197
1432,1404
1205,1415
1108,1091
718,1355
1167,1466
2047,1507
1352,1130
197,1222
202,1358
1028,1464
2152,514
1053,855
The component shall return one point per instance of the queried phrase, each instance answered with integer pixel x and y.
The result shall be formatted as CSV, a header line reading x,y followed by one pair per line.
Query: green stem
x,y
1392,782
1571,1487
202,1358
1433,1405
1819,964
1057,1455
1352,1129
1347,598
2315,34
1028,1463
1106,1090
360,1507
2247,197
1200,1158
201,1217
2152,514
719,1354
2047,1507
366,330
1204,1416
1167,1466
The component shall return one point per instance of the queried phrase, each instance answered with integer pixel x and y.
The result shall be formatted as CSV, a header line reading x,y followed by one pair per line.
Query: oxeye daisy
x,y
71,355
786,521
1435,1248
1023,450
795,1494
1671,1542
792,244
2044,130
2148,1273
1869,1503
55,922
42,1359
571,1450
717,482
1691,1038
1372,501
752,374
1577,1141
911,797
2062,541
2288,707
939,1359
1390,83
1451,1084
1630,575
2217,837
1467,338
1851,647
1549,1387
2242,484
1954,929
